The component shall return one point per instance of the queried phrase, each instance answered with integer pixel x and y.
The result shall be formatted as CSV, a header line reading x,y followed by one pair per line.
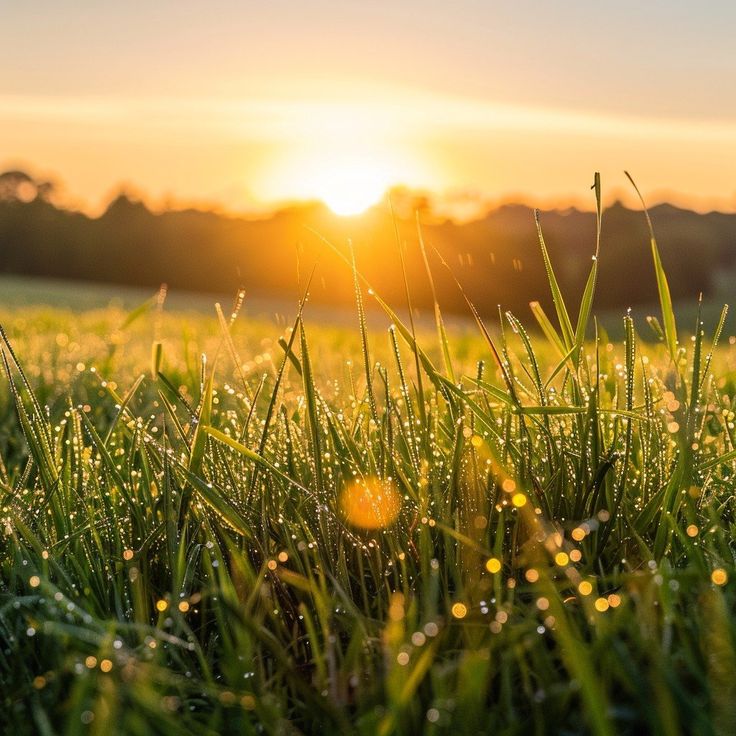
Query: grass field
x,y
328,531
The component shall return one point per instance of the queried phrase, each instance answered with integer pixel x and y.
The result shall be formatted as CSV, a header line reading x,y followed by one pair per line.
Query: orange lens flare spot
x,y
371,503
719,576
585,588
493,565
459,610
578,534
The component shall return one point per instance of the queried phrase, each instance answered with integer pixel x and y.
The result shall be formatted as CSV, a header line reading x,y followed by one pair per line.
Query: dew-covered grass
x,y
319,530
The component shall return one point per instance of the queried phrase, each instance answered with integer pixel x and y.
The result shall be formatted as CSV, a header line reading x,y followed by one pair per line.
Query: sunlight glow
x,y
348,181
350,193
346,155
350,186
263,151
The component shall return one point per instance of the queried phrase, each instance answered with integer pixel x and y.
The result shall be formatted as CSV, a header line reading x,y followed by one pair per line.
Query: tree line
x,y
495,257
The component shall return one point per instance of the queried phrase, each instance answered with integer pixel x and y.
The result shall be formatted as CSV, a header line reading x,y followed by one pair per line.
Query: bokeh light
x,y
371,503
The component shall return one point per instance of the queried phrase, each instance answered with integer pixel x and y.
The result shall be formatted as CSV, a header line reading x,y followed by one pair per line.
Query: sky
x,y
247,104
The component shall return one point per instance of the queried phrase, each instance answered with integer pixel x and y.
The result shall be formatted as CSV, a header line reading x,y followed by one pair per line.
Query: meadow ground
x,y
324,530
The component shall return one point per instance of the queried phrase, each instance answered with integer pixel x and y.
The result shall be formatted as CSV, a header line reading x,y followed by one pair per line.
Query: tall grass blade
x,y
665,300
563,317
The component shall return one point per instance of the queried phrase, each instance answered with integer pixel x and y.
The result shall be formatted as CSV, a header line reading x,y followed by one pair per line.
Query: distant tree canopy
x,y
17,186
496,257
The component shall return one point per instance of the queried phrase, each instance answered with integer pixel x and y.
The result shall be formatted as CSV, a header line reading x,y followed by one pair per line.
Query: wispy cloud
x,y
397,115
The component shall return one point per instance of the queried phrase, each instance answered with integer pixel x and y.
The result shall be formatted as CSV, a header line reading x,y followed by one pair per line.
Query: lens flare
x,y
371,503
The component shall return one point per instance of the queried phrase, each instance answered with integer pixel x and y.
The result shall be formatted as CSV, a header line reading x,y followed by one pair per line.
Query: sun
x,y
345,154
350,185
348,179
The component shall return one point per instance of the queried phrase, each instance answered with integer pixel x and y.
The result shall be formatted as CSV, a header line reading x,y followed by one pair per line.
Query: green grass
x,y
177,555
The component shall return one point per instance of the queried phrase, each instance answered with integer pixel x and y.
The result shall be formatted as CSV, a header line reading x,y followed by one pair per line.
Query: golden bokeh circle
x,y
370,503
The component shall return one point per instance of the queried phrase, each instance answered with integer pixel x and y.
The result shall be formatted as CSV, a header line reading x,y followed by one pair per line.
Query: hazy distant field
x,y
81,296
332,541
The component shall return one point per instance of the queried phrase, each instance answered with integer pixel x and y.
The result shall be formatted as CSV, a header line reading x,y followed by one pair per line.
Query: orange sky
x,y
245,105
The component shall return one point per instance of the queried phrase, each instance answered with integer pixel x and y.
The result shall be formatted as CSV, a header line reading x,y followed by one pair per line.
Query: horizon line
x,y
442,206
